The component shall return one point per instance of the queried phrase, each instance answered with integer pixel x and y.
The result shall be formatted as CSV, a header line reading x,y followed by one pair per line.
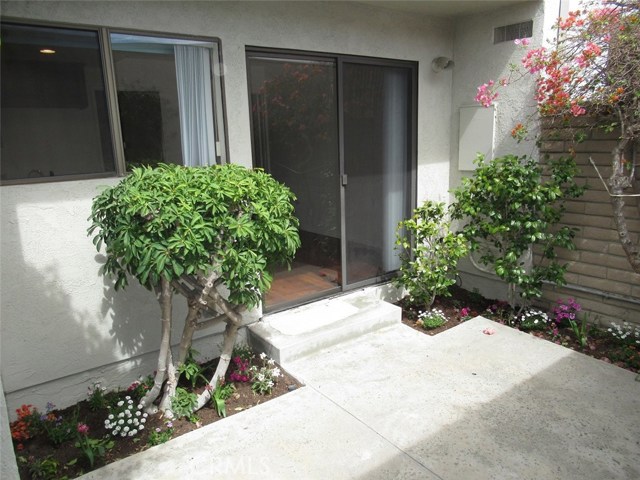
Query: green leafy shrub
x,y
510,205
209,234
429,253
172,220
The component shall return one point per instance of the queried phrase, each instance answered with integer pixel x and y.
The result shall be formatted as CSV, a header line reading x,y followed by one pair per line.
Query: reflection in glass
x,y
295,139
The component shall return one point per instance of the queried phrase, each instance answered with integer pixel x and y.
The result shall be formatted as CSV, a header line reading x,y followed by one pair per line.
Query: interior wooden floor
x,y
302,282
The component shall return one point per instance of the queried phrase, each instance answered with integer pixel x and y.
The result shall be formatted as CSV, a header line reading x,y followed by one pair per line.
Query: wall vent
x,y
508,33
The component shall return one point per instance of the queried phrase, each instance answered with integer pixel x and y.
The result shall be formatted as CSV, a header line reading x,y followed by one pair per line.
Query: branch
x,y
605,183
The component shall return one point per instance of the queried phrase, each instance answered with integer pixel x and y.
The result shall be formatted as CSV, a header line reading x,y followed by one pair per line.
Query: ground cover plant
x,y
209,234
110,425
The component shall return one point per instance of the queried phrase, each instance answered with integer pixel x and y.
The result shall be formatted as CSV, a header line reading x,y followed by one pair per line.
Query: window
x,y
508,33
74,106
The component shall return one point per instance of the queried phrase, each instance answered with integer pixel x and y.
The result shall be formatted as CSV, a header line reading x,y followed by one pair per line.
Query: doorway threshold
x,y
301,331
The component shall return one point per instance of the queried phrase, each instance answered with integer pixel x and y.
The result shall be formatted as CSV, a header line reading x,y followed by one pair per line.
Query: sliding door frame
x,y
340,60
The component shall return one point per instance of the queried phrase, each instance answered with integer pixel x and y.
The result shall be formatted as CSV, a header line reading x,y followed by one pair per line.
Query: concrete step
x,y
301,331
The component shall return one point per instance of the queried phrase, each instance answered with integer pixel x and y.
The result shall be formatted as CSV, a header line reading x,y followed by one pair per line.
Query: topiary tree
x,y
208,234
428,269
506,208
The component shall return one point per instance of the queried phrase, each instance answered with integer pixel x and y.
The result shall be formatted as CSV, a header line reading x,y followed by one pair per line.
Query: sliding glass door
x,y
339,133
376,119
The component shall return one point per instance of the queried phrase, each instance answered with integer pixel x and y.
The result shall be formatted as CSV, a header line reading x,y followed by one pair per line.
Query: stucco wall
x,y
478,60
63,327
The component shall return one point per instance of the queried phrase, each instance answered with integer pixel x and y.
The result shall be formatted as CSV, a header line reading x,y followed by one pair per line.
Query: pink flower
x,y
486,95
577,110
489,331
534,60
83,428
522,41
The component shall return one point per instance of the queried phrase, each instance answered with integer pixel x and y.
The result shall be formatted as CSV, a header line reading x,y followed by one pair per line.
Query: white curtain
x,y
193,72
394,157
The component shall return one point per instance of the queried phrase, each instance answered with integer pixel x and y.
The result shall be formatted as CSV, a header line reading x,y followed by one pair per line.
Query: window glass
x,y
165,99
53,104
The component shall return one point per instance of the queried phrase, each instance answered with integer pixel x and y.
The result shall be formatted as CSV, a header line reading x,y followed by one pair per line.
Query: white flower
x,y
263,356
120,403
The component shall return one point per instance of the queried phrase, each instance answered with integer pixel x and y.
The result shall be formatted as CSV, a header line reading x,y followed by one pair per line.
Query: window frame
x,y
113,112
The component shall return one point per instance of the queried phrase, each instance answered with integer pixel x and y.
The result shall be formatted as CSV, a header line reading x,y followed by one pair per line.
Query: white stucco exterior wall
x,y
62,325
479,60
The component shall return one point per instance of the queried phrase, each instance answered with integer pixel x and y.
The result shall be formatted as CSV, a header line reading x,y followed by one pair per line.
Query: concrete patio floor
x,y
397,403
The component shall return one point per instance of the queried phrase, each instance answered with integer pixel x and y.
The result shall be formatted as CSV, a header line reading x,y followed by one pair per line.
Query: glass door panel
x,y
377,128
295,139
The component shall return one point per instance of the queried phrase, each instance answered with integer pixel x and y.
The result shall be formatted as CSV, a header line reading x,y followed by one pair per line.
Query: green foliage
x,y
93,448
220,395
183,403
432,319
171,220
580,330
509,207
59,430
158,436
428,269
192,370
42,468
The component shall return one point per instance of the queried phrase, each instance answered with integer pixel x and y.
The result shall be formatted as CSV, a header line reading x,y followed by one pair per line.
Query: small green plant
x,y
191,369
126,418
431,319
92,448
158,436
501,312
532,319
581,330
41,468
140,387
263,378
97,397
220,395
183,402
57,428
429,253
508,207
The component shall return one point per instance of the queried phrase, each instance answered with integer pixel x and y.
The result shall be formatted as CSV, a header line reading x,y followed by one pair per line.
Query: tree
x,y
592,69
508,208
198,232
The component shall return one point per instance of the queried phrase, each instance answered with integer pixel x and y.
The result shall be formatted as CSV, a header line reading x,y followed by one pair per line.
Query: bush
x,y
428,269
508,207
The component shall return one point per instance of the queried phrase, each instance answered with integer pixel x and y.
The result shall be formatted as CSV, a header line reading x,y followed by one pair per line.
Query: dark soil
x,y
600,343
70,461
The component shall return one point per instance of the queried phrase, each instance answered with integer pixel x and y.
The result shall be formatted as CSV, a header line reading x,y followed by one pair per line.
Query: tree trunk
x,y
230,336
619,181
164,357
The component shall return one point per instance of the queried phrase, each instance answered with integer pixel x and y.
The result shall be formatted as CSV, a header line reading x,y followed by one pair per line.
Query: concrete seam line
x,y
374,431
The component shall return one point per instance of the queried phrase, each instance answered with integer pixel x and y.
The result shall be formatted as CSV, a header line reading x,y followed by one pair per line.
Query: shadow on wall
x,y
63,326
127,328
